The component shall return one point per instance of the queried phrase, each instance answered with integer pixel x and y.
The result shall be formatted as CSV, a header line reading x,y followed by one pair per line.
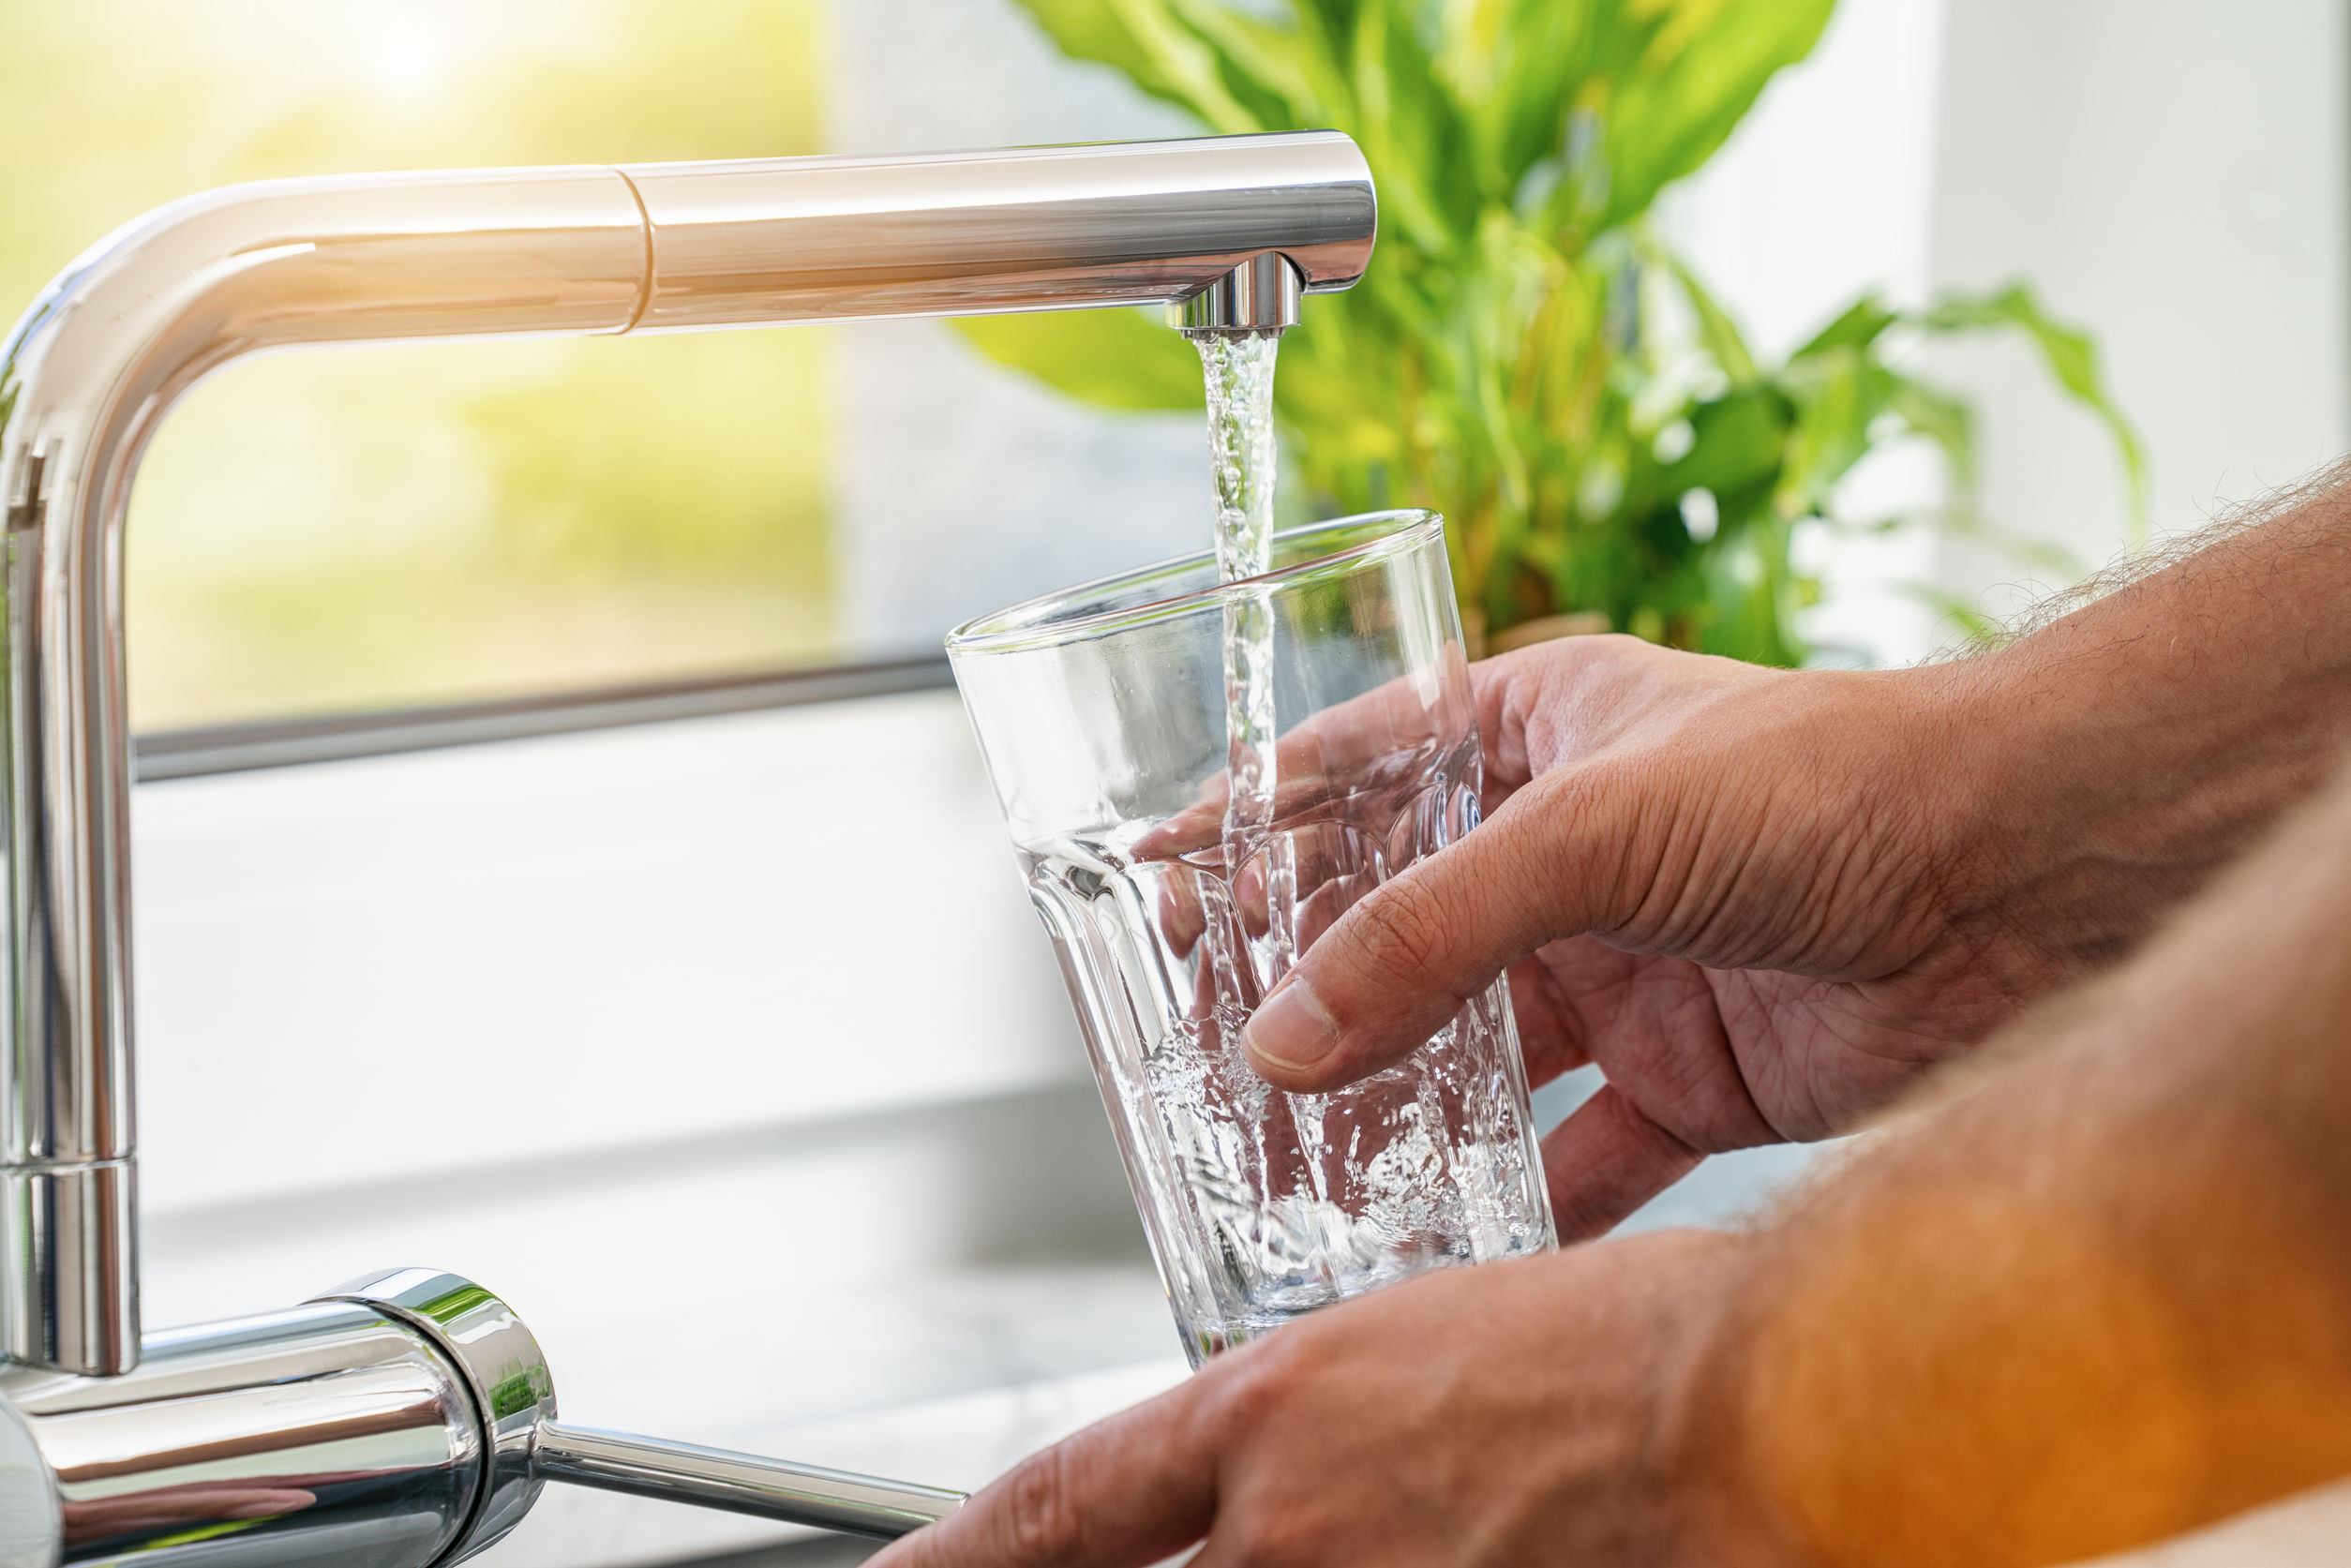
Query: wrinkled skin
x,y
1763,902
1749,895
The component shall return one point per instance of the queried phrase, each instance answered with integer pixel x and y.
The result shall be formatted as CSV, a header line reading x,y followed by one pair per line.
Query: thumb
x,y
1131,1489
1395,969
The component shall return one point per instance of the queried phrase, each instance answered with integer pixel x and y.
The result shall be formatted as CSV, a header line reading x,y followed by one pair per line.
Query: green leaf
x,y
1516,68
2071,359
1157,52
1404,124
1704,65
1978,629
1518,354
1116,359
1858,326
1090,30
1839,394
1739,442
1717,333
1258,61
1944,419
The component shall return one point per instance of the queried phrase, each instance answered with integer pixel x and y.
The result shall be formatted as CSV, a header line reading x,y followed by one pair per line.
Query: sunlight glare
x,y
406,50
396,51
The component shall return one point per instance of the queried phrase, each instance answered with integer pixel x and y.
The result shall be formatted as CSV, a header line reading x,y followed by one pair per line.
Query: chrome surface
x,y
739,1482
524,1445
331,1435
84,381
289,742
30,1519
1260,295
514,1395
72,1212
104,353
1028,229
407,1419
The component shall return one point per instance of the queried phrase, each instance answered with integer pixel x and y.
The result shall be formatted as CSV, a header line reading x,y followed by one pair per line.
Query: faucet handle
x,y
524,1445
500,1361
739,1482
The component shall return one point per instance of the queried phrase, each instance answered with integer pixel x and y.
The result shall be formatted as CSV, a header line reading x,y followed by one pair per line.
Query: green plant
x,y
1525,354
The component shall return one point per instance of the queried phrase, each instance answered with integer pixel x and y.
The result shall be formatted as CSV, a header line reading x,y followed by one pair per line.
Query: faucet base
x,y
330,1434
406,1420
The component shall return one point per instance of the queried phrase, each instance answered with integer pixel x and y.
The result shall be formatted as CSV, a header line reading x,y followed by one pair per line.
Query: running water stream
x,y
1239,371
1264,1205
1291,1214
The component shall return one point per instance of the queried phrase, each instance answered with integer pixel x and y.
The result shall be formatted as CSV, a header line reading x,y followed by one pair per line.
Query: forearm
x,y
2101,1293
2103,768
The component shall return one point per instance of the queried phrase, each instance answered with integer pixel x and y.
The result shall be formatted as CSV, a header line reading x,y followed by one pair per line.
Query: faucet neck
x,y
1238,226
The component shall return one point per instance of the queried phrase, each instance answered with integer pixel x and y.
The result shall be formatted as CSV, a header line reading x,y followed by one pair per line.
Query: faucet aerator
x,y
1258,298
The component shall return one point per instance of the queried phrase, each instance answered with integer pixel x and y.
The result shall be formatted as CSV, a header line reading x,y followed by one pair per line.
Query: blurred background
x,y
417,524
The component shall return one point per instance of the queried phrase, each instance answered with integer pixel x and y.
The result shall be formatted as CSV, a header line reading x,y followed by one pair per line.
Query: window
x,y
361,527
365,528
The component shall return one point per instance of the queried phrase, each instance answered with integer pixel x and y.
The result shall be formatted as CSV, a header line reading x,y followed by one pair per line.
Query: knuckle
x,y
1404,932
1274,1538
1595,822
1039,1522
1257,1381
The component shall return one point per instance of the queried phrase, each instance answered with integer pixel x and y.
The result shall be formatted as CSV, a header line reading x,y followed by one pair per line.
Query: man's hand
x,y
1763,900
2098,1295
1747,894
1554,1410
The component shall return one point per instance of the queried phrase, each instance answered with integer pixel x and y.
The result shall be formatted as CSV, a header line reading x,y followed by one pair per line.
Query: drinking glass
x,y
1103,712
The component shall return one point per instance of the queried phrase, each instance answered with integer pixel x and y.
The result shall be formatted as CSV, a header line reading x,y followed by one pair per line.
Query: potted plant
x,y
1527,355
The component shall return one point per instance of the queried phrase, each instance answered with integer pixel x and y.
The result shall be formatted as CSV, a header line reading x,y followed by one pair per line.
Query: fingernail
x,y
1292,1030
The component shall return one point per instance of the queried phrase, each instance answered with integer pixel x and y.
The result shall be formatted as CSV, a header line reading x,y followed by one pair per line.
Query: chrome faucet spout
x,y
1230,230
446,1399
431,1375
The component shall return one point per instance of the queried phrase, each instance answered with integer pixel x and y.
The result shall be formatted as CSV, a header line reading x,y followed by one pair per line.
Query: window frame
x,y
232,748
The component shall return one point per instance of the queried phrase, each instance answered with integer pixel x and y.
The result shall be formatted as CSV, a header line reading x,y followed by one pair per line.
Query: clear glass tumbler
x,y
1103,712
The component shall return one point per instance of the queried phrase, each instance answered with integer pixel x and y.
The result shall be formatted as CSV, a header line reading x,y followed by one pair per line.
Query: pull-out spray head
x,y
1259,296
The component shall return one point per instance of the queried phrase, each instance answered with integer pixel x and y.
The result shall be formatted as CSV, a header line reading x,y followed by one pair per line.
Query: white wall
x,y
2174,175
1825,193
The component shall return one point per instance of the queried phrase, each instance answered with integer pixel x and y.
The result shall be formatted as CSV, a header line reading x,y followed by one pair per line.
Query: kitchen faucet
x,y
407,1419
